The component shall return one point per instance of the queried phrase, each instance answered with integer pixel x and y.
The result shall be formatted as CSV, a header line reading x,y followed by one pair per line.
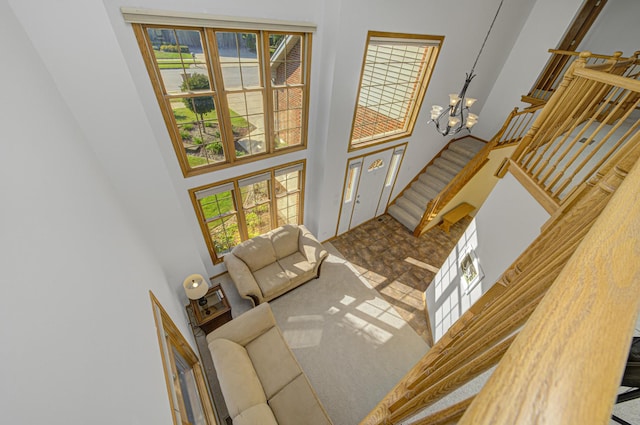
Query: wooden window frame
x,y
240,209
220,94
169,338
421,84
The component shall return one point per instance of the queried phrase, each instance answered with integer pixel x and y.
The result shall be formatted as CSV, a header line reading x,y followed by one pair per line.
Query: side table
x,y
215,313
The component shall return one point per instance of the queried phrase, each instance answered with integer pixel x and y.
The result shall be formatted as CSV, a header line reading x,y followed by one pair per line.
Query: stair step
x,y
417,197
443,174
431,182
455,157
424,189
447,165
468,147
403,217
413,209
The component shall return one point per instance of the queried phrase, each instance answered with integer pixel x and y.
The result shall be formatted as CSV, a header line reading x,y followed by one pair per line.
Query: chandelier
x,y
457,117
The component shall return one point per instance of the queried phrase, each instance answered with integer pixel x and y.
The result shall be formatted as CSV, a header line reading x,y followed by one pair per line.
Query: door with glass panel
x,y
368,186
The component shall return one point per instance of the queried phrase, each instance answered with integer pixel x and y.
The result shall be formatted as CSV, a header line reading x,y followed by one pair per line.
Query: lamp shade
x,y
195,286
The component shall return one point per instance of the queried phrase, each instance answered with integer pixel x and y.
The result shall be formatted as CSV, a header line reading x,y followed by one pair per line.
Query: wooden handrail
x,y
560,60
566,365
593,55
511,132
589,106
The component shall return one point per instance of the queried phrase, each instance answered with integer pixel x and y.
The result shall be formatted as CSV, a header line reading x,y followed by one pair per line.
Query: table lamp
x,y
196,288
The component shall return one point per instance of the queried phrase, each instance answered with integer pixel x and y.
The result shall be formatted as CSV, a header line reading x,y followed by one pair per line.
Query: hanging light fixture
x,y
457,117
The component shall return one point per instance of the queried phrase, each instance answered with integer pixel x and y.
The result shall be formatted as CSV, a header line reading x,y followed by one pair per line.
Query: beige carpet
x,y
351,343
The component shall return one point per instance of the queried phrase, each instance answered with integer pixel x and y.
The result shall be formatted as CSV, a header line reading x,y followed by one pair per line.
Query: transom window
x,y
236,210
395,75
228,95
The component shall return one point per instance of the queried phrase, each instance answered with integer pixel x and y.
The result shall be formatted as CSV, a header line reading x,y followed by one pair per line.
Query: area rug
x,y
352,344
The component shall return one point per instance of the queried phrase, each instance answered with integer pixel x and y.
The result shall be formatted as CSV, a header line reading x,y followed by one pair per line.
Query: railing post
x,y
550,105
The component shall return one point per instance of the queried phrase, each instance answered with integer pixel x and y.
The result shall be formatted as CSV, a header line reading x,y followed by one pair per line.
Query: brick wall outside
x,y
369,123
288,102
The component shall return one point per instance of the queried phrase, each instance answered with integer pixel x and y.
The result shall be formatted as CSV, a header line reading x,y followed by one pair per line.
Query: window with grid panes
x,y
395,75
233,211
288,190
228,96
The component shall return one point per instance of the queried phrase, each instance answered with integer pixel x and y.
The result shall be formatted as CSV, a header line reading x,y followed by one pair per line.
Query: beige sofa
x,y
260,379
269,265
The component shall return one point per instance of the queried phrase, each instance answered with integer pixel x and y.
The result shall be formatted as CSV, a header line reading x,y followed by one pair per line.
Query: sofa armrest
x,y
310,247
243,279
246,327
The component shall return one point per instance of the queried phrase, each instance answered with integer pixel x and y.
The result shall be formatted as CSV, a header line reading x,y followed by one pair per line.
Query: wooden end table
x,y
215,313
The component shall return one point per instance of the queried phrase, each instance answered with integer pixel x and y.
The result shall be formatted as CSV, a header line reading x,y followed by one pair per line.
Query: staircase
x,y
411,205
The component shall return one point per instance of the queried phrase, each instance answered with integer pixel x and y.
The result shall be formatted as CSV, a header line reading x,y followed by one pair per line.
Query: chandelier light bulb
x,y
470,101
453,121
435,112
453,99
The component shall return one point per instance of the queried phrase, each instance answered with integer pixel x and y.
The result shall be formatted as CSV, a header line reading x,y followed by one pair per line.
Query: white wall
x,y
615,29
461,45
78,337
509,220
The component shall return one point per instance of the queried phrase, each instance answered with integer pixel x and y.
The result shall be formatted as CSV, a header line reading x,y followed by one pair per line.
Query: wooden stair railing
x,y
566,365
589,107
512,131
480,338
558,64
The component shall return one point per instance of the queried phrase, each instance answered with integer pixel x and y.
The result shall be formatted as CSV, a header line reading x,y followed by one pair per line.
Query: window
x,y
228,95
233,211
188,394
395,76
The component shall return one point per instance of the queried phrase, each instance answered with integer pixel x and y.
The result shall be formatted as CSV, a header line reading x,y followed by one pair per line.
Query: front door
x,y
372,178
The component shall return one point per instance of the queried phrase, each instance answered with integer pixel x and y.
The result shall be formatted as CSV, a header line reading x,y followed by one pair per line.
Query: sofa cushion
x,y
285,240
297,404
258,414
273,361
238,379
256,252
271,279
295,265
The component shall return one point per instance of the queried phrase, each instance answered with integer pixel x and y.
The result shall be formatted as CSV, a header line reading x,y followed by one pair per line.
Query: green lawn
x,y
196,161
185,115
170,60
172,55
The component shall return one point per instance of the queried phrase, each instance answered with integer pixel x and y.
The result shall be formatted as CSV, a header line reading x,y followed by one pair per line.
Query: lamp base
x,y
202,302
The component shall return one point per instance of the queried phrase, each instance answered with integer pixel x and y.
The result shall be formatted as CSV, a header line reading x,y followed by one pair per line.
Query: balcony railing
x,y
560,61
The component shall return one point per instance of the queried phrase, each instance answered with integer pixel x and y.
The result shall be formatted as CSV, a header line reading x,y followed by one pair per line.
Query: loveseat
x,y
271,264
261,380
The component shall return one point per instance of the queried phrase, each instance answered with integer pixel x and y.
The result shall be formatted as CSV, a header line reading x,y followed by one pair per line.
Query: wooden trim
x,y
415,103
574,35
138,15
346,175
219,94
237,199
533,188
167,330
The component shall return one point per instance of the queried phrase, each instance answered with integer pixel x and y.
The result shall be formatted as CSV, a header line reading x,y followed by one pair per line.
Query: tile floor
x,y
398,265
